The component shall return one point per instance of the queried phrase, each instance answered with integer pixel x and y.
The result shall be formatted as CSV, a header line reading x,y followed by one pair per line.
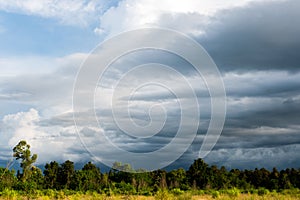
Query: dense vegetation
x,y
120,179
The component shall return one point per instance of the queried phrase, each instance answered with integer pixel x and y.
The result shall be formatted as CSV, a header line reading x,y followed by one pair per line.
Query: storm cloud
x,y
260,36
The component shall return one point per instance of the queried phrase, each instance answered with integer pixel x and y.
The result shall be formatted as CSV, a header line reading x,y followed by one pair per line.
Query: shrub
x,y
177,191
60,195
215,194
50,193
262,191
185,196
163,195
234,192
145,192
9,194
124,188
198,192
290,191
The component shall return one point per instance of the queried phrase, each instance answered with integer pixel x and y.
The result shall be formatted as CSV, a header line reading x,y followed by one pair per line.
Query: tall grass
x,y
258,194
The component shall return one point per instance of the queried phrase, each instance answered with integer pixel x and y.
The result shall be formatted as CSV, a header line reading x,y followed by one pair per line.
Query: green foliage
x,y
177,191
87,179
233,192
124,188
51,175
9,194
159,181
60,195
7,179
65,174
50,193
197,174
177,179
215,194
263,191
22,152
163,195
60,181
184,196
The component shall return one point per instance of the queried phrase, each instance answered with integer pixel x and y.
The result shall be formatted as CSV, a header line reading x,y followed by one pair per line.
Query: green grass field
x,y
162,195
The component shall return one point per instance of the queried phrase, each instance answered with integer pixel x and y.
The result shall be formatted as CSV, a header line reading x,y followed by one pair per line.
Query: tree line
x,y
121,180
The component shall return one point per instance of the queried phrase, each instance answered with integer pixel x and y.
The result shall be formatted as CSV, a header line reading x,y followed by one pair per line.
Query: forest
x,y
123,180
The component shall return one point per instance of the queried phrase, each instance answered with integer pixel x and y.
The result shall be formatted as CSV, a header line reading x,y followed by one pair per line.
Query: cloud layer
x,y
254,43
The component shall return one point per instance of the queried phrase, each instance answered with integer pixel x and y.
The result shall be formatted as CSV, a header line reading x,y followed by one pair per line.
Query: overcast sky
x,y
254,43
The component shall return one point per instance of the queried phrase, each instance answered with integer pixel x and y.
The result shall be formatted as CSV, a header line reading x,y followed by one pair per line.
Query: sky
x,y
254,43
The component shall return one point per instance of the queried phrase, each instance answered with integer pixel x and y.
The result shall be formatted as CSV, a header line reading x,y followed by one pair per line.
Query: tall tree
x,y
89,178
66,173
197,174
51,175
22,151
159,178
177,178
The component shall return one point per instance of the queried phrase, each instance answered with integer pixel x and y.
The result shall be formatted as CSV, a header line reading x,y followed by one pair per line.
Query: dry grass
x,y
271,196
249,197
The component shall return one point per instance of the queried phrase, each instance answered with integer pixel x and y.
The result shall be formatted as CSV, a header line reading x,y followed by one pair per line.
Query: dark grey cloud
x,y
245,158
258,139
271,84
260,36
279,113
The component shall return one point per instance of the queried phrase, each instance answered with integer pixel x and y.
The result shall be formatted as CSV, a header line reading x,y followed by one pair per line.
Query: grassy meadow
x,y
160,195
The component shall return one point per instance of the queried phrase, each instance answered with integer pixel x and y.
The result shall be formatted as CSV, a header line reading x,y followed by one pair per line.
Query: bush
x,y
50,193
124,188
252,191
262,191
215,194
185,196
145,192
9,194
290,191
234,192
60,195
163,195
199,192
177,191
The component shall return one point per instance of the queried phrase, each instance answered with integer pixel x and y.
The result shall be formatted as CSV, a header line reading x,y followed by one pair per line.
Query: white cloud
x,y
74,12
49,142
44,83
185,16
15,66
22,124
128,14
